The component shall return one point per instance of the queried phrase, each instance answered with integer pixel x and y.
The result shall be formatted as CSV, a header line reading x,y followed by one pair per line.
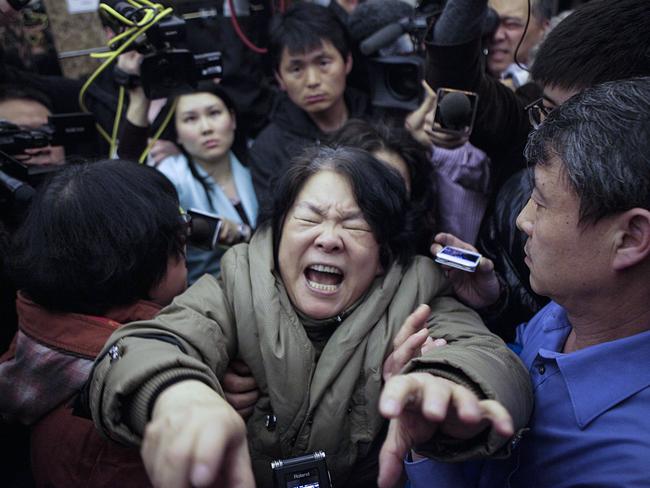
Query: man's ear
x,y
632,238
348,64
280,81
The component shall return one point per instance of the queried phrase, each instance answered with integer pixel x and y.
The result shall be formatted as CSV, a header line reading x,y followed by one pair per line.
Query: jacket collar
x,y
293,119
79,334
602,376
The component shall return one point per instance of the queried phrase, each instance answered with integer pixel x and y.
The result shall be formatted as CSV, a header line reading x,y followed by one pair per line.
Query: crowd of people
x,y
317,319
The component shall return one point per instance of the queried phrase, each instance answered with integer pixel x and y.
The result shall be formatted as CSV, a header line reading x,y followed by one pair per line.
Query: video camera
x,y
19,180
396,80
60,130
168,66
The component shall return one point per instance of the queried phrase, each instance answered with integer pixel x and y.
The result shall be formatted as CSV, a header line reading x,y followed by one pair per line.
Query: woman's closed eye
x,y
307,220
357,226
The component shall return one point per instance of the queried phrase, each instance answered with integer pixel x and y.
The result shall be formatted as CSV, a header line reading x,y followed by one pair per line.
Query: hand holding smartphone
x,y
456,257
205,228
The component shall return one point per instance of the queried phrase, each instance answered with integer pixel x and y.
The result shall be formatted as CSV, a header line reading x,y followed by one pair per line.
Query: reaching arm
x,y
196,437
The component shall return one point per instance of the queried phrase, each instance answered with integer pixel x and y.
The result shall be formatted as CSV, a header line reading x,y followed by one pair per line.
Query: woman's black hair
x,y
378,190
97,236
239,147
383,136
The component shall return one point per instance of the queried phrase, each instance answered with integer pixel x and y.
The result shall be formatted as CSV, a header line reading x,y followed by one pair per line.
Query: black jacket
x,y
501,127
289,131
503,243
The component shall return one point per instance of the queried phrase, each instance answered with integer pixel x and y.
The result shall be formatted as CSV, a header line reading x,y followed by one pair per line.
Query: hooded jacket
x,y
289,131
305,405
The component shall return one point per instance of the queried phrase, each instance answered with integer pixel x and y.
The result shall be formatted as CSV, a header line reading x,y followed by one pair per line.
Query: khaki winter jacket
x,y
331,405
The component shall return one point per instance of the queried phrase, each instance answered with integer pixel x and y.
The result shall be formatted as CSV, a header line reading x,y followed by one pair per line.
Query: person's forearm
x,y
461,21
133,137
136,113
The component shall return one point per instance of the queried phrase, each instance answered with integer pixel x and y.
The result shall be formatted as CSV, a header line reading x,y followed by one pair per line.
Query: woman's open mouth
x,y
324,278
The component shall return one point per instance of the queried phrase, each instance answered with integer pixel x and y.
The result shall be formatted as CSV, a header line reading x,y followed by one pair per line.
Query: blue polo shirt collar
x,y
599,377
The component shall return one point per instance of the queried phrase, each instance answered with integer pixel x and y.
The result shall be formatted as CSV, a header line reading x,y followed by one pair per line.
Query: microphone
x,y
21,193
384,37
372,15
455,111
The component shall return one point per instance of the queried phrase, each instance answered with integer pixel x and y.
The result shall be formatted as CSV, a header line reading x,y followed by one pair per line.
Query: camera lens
x,y
402,81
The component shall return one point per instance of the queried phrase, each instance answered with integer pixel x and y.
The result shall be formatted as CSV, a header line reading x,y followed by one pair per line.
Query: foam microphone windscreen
x,y
372,15
455,111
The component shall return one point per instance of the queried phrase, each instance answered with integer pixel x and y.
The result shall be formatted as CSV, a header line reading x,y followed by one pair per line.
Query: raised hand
x,y
479,289
420,404
417,122
411,341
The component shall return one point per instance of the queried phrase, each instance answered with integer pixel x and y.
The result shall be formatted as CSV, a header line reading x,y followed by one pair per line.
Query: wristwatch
x,y
244,232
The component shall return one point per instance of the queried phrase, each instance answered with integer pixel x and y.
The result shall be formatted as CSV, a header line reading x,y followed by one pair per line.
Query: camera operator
x,y
29,109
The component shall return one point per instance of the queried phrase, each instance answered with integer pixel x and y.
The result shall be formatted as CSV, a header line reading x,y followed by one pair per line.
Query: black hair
x,y
601,138
382,135
16,92
97,236
378,190
601,41
238,145
304,27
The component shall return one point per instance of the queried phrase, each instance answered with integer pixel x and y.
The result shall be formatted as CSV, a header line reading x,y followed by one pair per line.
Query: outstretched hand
x,y
196,439
479,289
420,404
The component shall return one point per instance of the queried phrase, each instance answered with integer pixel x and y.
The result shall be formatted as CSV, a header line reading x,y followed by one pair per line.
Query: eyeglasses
x,y
537,112
185,221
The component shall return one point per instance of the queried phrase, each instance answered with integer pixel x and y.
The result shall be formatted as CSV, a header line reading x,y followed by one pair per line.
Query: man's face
x,y
315,80
512,20
567,260
31,114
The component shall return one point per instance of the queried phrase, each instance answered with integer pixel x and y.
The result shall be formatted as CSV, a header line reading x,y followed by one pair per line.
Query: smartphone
x,y
204,229
455,111
458,258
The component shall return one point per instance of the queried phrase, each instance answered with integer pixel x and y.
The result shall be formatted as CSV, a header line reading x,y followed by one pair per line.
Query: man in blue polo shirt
x,y
588,351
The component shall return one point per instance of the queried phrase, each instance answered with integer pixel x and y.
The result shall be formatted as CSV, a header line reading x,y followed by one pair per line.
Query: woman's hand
x,y
195,438
479,289
162,149
420,404
240,388
233,233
